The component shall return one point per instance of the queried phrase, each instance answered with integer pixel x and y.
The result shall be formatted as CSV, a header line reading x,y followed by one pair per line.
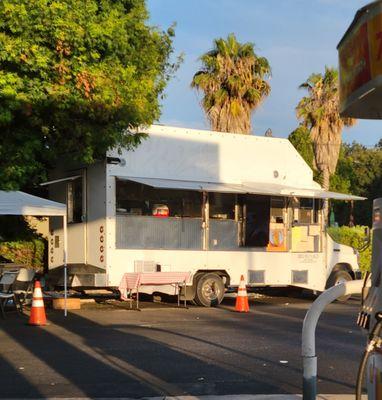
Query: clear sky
x,y
298,37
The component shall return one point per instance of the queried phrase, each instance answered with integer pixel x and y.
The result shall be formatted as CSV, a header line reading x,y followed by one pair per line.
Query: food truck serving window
x,y
306,229
277,210
222,205
223,225
256,213
150,218
136,199
306,210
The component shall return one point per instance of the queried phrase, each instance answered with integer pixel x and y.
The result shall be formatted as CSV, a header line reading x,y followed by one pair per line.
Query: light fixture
x,y
116,161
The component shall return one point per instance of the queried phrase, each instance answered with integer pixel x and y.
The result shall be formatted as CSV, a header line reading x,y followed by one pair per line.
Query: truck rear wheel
x,y
336,278
209,290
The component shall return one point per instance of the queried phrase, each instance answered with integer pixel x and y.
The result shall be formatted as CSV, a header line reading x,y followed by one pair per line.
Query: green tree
x,y
319,112
300,138
359,171
234,82
341,180
74,74
366,179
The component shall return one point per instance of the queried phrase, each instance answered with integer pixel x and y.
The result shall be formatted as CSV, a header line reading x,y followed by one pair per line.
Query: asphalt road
x,y
107,351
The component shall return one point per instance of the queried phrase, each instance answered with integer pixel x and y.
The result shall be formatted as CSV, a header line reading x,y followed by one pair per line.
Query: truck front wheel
x,y
336,278
209,291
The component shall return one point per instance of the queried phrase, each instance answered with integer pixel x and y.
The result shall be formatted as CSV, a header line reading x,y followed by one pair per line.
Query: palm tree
x,y
319,112
233,79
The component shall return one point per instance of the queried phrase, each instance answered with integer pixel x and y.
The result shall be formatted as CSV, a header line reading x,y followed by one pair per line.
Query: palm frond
x,y
233,79
319,111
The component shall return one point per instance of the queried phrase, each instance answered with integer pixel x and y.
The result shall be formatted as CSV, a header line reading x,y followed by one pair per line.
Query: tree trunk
x,y
326,185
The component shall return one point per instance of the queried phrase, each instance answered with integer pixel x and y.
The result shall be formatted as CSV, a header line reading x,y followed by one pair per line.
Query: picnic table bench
x,y
132,281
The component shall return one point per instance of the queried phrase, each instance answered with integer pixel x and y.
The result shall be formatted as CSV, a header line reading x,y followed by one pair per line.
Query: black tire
x,y
338,277
209,290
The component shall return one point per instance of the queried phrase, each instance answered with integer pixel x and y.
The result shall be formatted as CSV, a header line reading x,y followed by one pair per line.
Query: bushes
x,y
354,237
20,243
29,252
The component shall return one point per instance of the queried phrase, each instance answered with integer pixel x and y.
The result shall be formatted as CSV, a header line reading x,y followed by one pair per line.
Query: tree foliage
x,y
234,82
356,238
319,112
29,253
358,171
74,74
302,142
361,168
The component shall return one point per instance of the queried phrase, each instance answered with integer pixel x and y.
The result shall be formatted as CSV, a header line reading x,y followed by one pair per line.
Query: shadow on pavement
x,y
96,360
11,379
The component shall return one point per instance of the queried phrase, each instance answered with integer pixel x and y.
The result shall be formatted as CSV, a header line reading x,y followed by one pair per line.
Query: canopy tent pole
x,y
65,264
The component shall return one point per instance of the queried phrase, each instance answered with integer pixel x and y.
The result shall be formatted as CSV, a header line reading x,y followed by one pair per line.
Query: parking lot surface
x,y
109,351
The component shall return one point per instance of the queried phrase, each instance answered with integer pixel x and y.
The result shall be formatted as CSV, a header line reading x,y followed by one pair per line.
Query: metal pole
x,y
308,345
65,265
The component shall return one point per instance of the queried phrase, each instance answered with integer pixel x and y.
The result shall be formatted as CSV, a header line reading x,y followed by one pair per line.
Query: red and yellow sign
x,y
354,62
375,45
360,63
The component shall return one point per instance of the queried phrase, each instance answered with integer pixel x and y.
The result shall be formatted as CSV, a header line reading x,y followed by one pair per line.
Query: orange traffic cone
x,y
242,297
37,316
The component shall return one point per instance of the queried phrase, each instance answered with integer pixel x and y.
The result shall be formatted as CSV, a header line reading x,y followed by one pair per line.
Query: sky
x,y
298,37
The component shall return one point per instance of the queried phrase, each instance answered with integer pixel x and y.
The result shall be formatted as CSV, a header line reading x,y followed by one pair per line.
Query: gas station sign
x,y
360,65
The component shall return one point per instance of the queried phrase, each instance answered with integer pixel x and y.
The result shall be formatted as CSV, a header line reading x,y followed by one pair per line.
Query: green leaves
x,y
233,79
319,112
30,253
73,75
362,168
358,171
300,138
354,237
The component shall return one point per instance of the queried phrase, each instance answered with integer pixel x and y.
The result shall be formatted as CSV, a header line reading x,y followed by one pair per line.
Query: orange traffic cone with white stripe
x,y
37,316
242,297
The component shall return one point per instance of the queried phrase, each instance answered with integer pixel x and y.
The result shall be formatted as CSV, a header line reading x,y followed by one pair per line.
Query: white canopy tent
x,y
20,203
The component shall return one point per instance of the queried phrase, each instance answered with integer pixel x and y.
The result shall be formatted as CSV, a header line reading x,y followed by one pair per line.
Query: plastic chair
x,y
24,285
7,280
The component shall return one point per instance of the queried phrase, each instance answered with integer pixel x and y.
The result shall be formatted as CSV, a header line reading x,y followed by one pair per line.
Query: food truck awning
x,y
281,190
187,185
320,194
69,178
263,188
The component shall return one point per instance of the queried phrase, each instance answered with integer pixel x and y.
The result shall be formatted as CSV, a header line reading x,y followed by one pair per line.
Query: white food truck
x,y
218,205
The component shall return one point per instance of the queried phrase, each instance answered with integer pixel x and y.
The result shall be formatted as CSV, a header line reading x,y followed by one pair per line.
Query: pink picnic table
x,y
132,281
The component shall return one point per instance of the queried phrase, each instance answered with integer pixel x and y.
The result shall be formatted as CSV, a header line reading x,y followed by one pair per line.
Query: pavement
x,y
232,397
109,351
261,397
